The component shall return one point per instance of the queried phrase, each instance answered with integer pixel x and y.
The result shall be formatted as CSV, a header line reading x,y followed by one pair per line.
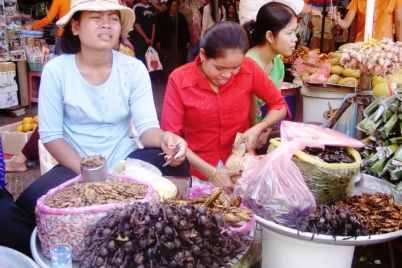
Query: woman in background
x,y
209,18
171,41
272,34
58,9
231,14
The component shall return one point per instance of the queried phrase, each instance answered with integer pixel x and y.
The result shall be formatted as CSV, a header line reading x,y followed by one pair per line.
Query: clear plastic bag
x,y
347,121
274,189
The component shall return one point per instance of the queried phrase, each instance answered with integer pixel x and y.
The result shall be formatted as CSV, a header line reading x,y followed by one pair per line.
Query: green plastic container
x,y
36,66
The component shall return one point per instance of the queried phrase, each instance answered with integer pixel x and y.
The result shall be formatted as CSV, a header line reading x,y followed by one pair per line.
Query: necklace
x,y
267,65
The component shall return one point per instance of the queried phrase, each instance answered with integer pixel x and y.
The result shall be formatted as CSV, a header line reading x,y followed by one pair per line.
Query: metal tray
x,y
329,87
287,85
365,184
370,184
44,262
37,254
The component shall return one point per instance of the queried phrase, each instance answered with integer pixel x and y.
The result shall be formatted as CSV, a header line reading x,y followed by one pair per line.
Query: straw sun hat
x,y
127,16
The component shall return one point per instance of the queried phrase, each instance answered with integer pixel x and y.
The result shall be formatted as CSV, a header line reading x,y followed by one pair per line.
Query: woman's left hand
x,y
174,147
250,138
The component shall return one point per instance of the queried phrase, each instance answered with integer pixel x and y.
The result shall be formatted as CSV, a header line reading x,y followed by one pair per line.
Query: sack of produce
x,y
65,213
329,174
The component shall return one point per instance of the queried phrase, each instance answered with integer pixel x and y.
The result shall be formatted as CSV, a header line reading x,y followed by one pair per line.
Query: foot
x,y
13,165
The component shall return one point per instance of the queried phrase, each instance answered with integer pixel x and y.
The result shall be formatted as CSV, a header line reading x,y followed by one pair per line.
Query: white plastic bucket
x,y
279,251
12,258
315,103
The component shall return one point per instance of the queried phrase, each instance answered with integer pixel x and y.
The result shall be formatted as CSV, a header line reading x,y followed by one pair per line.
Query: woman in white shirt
x,y
208,16
248,8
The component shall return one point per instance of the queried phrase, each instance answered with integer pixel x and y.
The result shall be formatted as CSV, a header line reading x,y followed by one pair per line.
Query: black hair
x,y
273,17
170,2
223,36
212,11
70,43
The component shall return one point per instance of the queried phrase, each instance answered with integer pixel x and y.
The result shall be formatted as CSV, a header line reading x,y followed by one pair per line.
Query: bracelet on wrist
x,y
266,124
213,173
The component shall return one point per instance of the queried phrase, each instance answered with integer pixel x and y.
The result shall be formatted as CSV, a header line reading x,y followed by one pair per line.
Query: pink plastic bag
x,y
315,136
275,190
274,187
69,225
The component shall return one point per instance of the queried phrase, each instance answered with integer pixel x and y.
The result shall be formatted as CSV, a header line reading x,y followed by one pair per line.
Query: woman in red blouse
x,y
207,101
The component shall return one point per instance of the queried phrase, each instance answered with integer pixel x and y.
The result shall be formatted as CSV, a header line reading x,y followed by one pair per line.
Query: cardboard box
x,y
13,141
9,99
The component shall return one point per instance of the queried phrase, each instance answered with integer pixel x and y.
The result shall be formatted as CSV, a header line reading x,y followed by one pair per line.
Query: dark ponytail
x,y
272,17
249,27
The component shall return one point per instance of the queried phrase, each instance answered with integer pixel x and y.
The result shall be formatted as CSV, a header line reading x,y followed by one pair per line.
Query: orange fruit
x,y
26,127
19,128
36,119
27,119
34,125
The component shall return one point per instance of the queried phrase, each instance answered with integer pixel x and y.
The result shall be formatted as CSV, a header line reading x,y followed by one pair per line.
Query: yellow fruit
x,y
333,60
19,128
348,81
397,77
351,73
305,77
336,69
313,70
344,46
381,90
336,54
34,125
36,119
26,127
333,79
27,119
378,80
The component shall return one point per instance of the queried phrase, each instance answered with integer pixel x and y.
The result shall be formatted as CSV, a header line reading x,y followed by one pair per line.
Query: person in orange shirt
x,y
57,10
387,16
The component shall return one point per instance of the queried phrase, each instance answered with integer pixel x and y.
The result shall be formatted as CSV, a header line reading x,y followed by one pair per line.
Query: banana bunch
x,y
382,155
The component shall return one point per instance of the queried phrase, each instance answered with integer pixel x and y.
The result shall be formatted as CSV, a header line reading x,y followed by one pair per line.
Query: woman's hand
x,y
222,178
251,137
263,138
174,147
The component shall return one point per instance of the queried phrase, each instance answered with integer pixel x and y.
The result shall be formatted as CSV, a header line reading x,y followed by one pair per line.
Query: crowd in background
x,y
174,28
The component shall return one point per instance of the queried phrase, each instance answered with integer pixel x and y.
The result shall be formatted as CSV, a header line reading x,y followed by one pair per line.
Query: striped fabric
x,y
3,181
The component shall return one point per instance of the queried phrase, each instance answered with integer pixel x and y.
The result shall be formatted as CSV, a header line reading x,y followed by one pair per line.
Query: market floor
x,y
378,256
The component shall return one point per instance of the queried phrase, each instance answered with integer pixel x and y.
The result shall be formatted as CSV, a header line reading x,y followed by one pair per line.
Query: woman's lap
x,y
52,178
154,157
16,227
59,174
